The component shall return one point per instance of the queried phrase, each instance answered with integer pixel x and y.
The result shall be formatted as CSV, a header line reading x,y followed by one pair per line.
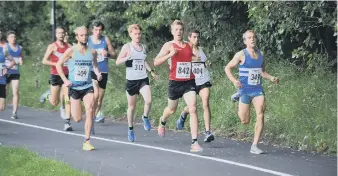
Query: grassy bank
x,y
19,161
301,110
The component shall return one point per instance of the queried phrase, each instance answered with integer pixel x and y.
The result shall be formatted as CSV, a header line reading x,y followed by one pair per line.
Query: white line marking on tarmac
x,y
155,148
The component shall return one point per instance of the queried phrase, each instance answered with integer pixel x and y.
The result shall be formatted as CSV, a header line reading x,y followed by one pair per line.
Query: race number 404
x,y
198,70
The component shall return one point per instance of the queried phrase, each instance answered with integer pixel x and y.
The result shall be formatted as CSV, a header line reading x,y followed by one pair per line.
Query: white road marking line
x,y
155,148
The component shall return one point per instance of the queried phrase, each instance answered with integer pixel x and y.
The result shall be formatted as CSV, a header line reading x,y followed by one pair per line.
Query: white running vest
x,y
138,70
200,71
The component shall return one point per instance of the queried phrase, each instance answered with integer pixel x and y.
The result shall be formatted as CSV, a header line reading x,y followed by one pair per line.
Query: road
x,y
41,131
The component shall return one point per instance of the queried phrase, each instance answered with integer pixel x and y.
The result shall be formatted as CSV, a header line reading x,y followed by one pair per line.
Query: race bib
x,y
8,63
100,57
254,77
198,70
138,66
1,68
81,73
183,70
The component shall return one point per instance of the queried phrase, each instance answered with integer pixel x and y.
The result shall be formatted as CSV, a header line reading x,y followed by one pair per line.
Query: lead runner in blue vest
x,y
251,70
105,50
81,60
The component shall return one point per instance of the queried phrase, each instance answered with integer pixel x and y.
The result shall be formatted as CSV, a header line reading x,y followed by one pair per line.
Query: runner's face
x,y
66,38
11,39
194,39
97,31
250,40
60,34
82,36
177,31
135,35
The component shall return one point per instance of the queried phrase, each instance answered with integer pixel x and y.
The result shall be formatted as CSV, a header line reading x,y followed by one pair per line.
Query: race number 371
x,y
183,69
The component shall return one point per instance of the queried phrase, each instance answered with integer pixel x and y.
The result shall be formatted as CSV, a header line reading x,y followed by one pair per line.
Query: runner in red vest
x,y
181,81
57,91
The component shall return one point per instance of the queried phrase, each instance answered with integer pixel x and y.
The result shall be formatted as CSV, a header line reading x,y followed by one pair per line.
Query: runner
x,y
103,47
251,70
181,81
81,59
133,54
13,50
202,80
53,53
3,72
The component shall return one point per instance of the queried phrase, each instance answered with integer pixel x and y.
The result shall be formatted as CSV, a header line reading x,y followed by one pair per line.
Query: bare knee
x,y
131,107
244,118
147,102
54,102
192,109
171,110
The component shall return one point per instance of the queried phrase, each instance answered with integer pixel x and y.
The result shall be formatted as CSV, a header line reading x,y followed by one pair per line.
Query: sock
x,y
207,132
184,116
145,117
68,121
131,128
87,139
193,141
163,123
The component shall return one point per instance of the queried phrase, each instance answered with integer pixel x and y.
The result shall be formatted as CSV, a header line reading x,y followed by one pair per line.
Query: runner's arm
x,y
233,63
95,67
45,59
123,56
66,56
266,75
164,54
9,57
111,50
21,57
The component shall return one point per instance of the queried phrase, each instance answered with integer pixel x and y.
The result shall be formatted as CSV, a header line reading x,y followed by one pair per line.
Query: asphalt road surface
x,y
150,155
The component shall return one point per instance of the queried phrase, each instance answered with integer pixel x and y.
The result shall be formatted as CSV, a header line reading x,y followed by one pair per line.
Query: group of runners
x,y
79,72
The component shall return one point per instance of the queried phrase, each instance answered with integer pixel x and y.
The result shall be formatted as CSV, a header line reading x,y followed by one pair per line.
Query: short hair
x,y
10,32
177,22
97,24
194,31
134,27
246,33
60,27
79,28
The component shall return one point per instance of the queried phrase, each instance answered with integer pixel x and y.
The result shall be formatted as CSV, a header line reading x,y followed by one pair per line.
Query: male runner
x,y
251,70
53,53
133,54
104,50
81,60
13,50
3,72
202,80
181,81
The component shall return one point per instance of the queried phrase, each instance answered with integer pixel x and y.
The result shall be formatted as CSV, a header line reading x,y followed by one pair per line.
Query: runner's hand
x,y
237,84
99,77
4,71
155,76
172,50
105,53
67,83
274,79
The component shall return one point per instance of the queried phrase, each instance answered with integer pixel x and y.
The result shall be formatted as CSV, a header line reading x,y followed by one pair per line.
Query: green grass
x,y
21,162
301,110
